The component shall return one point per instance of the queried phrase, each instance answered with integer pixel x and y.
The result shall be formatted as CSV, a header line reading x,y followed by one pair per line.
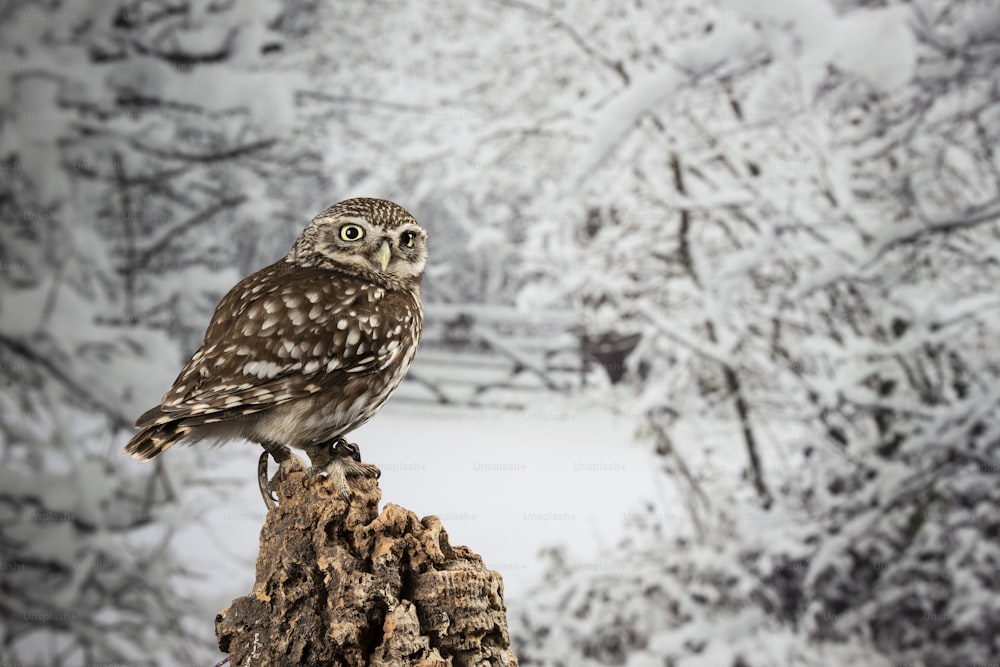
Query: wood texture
x,y
341,584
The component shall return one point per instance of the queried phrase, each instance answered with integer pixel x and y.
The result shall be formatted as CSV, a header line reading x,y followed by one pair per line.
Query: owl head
x,y
371,238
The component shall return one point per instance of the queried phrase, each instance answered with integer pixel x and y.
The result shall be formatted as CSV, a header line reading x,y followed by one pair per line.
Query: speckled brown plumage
x,y
304,351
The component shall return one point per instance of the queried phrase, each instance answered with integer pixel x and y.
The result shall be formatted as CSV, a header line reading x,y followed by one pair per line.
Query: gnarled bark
x,y
340,584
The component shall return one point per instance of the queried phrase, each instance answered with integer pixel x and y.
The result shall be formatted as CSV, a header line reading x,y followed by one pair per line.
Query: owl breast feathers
x,y
309,348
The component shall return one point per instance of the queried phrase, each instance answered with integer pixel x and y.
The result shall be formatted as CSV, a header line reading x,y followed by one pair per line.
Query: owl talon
x,y
347,450
340,467
265,491
287,463
350,450
290,465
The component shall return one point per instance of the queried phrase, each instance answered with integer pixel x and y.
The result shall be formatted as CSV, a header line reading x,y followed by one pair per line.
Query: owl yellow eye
x,y
352,232
407,239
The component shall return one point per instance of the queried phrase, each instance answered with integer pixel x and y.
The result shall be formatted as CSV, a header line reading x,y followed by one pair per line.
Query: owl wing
x,y
284,333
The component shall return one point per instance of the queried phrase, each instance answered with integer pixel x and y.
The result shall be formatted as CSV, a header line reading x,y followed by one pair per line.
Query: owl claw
x,y
265,492
346,449
287,463
339,461
343,467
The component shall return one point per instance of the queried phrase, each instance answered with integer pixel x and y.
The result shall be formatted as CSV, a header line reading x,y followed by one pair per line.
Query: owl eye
x,y
351,232
407,239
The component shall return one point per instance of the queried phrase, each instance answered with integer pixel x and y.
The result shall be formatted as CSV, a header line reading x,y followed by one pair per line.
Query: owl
x,y
306,350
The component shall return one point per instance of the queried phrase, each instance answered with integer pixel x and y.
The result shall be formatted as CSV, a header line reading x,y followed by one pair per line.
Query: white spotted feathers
x,y
311,346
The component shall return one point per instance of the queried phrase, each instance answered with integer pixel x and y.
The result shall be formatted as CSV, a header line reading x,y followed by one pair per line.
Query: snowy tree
x,y
911,554
776,221
147,148
472,117
804,240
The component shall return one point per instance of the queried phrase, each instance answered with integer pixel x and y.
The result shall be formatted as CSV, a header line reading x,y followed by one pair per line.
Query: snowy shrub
x,y
140,156
785,213
830,287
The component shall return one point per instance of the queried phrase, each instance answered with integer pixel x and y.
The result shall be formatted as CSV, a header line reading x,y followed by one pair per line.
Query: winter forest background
x,y
711,367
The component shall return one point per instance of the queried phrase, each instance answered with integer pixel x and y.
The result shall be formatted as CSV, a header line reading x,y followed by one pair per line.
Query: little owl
x,y
306,350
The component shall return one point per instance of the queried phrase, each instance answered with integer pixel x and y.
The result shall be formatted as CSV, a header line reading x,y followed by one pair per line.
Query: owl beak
x,y
383,255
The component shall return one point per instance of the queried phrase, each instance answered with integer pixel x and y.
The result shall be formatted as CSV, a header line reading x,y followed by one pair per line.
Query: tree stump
x,y
340,584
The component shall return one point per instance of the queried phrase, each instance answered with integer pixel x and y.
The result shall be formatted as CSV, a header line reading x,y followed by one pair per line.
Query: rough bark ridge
x,y
340,584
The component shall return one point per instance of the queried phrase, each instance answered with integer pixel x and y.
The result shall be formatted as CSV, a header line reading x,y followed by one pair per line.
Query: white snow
x,y
793,189
877,44
505,484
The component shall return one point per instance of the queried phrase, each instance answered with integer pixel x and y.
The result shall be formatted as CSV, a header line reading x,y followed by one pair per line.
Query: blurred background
x,y
710,365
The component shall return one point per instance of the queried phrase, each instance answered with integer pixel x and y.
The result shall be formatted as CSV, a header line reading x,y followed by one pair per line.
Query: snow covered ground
x,y
506,484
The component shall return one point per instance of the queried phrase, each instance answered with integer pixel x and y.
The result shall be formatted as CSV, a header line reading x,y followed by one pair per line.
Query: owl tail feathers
x,y
155,439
